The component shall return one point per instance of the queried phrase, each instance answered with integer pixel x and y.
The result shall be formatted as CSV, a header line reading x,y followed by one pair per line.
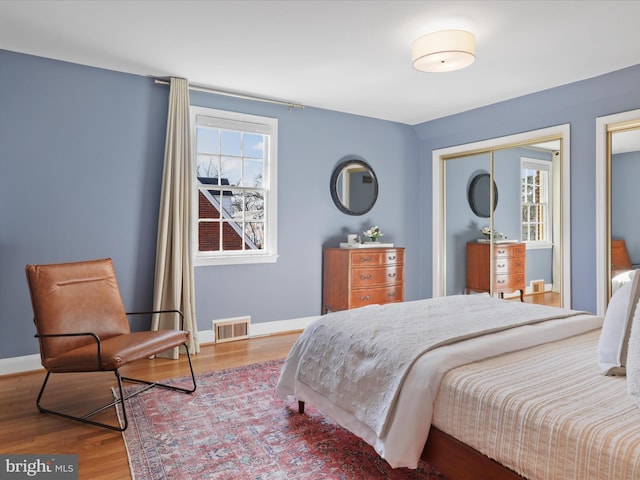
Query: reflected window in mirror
x,y
535,184
354,186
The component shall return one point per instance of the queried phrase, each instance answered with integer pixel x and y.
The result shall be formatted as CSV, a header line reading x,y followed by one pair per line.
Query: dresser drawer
x,y
509,282
381,295
506,265
376,258
517,250
364,277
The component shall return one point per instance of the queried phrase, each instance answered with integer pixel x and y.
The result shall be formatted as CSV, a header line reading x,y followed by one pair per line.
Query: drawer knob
x,y
391,294
365,259
502,251
501,281
366,297
501,265
391,275
365,277
391,257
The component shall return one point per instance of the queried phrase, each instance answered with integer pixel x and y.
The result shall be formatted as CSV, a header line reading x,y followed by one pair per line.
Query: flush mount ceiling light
x,y
444,51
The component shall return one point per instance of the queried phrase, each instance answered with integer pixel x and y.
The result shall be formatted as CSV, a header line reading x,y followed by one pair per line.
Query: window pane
x,y
253,145
208,236
237,207
232,236
252,173
208,204
207,140
208,166
230,142
231,170
254,205
255,234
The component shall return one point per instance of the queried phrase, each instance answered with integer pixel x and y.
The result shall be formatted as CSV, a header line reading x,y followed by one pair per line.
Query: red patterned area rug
x,y
234,427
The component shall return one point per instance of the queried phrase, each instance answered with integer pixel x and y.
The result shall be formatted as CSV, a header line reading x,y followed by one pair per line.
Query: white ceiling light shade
x,y
444,51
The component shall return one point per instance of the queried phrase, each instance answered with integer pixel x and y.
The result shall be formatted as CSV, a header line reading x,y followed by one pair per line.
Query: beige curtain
x,y
174,284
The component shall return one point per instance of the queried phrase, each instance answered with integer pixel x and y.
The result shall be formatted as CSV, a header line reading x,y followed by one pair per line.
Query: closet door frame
x,y
439,156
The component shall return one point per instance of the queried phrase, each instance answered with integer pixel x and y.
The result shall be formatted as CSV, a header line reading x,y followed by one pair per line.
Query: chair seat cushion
x,y
116,351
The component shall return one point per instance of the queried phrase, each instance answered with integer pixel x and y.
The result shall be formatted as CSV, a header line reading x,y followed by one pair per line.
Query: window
x,y
235,184
535,181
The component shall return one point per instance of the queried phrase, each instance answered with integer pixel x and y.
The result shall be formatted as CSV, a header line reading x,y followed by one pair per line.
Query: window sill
x,y
538,246
234,260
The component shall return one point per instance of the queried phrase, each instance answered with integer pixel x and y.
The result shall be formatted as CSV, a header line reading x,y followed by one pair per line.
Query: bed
x,y
498,397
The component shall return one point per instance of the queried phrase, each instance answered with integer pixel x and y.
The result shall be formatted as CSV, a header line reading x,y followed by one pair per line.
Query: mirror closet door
x,y
624,219
466,212
520,257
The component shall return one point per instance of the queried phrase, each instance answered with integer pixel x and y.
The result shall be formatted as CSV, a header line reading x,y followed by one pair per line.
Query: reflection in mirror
x,y
525,260
354,186
462,225
479,195
624,238
616,134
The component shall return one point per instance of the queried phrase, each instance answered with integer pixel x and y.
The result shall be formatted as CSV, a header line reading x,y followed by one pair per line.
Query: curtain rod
x,y
236,95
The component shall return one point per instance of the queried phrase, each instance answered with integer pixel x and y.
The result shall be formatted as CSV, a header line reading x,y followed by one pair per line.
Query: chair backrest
x,y
620,255
75,297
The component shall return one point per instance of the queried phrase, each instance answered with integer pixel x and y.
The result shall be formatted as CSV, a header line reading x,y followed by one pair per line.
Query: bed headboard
x,y
620,256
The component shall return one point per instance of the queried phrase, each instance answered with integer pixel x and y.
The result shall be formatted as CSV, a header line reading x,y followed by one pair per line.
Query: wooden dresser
x,y
509,261
361,276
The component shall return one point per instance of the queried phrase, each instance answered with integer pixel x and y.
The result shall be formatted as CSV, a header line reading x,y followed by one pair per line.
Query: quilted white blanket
x,y
353,364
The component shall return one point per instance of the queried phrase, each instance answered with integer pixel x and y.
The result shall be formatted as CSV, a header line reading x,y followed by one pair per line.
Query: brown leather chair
x,y
82,326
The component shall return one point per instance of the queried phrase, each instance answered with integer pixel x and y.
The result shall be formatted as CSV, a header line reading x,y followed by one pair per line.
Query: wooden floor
x,y
101,453
546,298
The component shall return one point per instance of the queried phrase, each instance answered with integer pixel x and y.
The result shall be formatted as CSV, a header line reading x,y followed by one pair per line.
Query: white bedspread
x,y
407,395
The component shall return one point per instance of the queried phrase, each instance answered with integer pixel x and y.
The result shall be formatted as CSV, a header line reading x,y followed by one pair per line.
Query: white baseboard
x,y
26,363
280,326
32,362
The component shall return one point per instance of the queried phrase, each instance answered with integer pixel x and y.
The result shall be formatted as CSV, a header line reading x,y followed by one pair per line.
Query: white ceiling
x,y
349,56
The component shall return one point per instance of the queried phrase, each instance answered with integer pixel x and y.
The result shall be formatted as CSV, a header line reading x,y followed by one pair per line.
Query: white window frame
x,y
247,123
536,164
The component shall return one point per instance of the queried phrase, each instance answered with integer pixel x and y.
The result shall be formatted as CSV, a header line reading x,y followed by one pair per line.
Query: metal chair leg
x,y
120,400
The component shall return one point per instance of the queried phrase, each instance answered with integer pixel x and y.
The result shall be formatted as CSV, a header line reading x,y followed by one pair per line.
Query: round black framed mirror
x,y
479,195
354,186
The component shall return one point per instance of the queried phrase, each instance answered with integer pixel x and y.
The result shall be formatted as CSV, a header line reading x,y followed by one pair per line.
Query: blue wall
x,y
80,171
81,154
578,104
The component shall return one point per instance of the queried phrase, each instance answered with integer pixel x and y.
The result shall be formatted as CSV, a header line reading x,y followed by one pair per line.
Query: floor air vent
x,y
231,329
537,286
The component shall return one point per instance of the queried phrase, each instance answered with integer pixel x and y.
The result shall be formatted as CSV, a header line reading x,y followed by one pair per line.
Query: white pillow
x,y
633,360
614,338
